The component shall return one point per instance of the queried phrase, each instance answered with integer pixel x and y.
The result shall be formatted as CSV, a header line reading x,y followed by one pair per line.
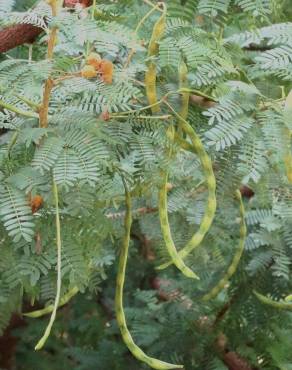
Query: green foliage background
x,y
239,52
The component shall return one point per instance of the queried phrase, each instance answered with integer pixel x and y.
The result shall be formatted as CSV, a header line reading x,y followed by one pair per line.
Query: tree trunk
x,y
19,34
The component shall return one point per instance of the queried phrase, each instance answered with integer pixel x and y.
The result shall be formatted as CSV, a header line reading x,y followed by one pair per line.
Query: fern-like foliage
x,y
16,214
256,8
238,60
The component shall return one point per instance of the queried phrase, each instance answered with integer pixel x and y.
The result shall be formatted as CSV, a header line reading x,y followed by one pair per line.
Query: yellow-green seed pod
x,y
185,96
64,300
288,298
120,315
235,261
163,217
197,147
151,74
280,305
288,133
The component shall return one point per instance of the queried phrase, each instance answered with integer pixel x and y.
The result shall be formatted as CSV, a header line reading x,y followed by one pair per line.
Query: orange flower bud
x,y
88,72
36,203
169,186
106,70
94,60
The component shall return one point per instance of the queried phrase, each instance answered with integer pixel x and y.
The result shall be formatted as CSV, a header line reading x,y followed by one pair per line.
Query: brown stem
x,y
220,315
201,101
234,362
51,43
230,358
254,47
44,109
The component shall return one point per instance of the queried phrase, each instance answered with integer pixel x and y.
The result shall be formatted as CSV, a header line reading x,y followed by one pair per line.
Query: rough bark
x,y
234,362
19,34
8,343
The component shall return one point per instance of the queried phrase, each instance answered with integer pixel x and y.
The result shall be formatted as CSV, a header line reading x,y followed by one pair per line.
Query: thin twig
x,y
148,2
164,117
136,212
30,103
132,52
14,109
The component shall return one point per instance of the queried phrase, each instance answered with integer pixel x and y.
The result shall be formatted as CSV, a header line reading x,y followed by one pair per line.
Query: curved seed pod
x,y
235,261
184,144
121,319
281,305
65,299
46,335
162,196
288,132
288,165
12,143
210,209
288,157
185,96
165,227
150,75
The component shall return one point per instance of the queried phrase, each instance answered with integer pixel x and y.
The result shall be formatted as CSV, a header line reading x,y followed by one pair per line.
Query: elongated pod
x,y
46,335
44,311
288,133
210,209
162,196
150,75
185,96
288,156
235,261
121,319
281,305
164,223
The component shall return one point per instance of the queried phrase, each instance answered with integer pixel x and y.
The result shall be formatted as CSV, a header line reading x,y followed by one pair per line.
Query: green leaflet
x,y
121,319
281,305
235,261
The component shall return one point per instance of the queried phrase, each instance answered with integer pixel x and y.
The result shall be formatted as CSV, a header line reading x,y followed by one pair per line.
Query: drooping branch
x,y
19,34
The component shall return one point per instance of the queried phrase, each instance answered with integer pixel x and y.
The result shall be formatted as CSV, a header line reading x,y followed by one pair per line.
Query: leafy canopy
x,y
238,56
